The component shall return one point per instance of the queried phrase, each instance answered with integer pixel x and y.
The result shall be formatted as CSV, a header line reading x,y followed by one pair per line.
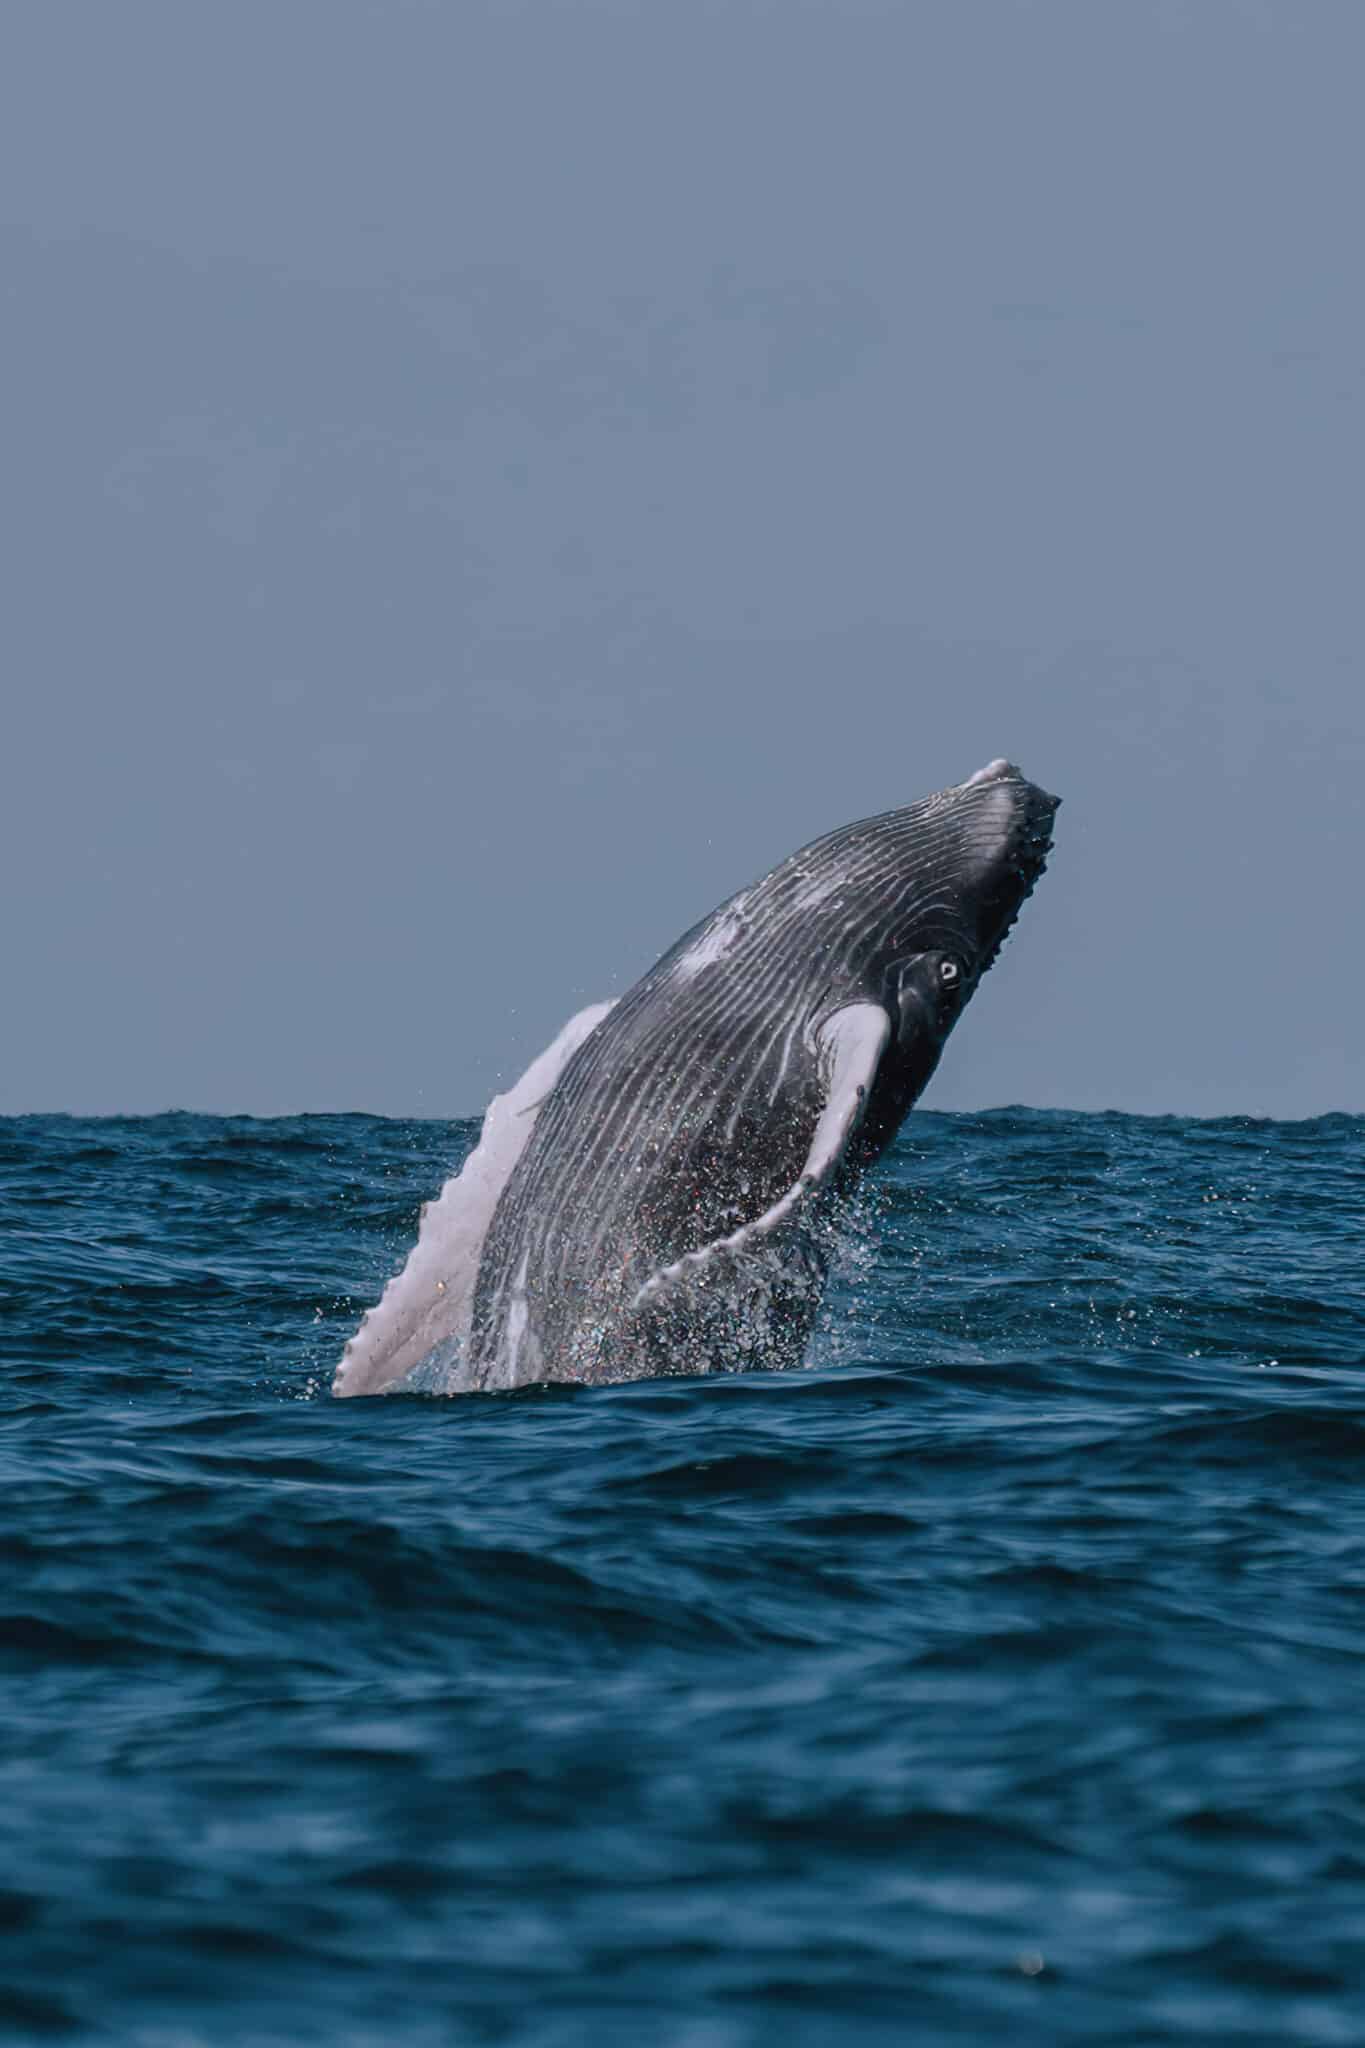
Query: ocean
x,y
997,1675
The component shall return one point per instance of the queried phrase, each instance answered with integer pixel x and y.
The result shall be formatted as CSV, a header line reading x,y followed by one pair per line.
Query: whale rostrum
x,y
650,1196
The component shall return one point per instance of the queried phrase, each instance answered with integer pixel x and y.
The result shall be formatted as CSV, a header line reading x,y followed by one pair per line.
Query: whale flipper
x,y
429,1302
850,1045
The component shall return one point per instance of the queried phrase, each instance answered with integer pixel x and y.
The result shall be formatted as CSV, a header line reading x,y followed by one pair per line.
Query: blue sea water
x,y
998,1676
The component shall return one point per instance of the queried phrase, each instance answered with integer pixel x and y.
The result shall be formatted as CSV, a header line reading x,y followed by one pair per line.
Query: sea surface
x,y
998,1676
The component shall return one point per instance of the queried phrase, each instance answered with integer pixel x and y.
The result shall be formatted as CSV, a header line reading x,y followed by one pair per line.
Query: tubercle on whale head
x,y
1003,789
998,770
1001,770
1022,821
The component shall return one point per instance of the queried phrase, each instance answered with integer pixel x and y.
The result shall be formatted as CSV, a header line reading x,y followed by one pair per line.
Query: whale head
x,y
1003,825
953,874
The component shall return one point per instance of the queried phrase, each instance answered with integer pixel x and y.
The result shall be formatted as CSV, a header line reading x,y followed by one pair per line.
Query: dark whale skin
x,y
688,1111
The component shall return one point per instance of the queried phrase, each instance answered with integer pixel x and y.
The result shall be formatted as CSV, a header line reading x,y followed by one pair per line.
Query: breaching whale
x,y
649,1197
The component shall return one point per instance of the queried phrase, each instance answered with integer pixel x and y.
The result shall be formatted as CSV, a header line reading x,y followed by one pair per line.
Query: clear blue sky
x,y
481,482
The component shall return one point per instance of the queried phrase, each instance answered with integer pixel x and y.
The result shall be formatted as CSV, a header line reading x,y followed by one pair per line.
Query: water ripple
x,y
998,1675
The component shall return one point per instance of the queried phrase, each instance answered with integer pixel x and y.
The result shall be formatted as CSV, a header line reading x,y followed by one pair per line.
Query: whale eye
x,y
949,972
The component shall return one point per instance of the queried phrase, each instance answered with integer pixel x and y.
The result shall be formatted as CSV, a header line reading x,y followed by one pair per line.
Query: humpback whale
x,y
653,1194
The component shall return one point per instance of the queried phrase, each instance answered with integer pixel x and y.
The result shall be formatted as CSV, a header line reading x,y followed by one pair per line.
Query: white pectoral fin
x,y
850,1045
431,1301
